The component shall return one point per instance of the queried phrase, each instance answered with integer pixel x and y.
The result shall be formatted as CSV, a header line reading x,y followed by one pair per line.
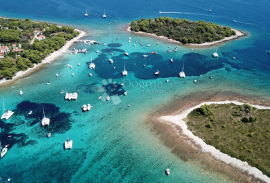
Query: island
x,y
241,131
185,31
25,44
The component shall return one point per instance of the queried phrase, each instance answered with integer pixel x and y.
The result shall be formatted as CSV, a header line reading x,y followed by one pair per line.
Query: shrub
x,y
223,126
250,134
206,110
209,125
250,150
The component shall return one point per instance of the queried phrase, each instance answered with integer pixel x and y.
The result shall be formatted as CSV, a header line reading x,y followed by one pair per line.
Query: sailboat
x,y
6,113
210,9
45,121
215,54
92,65
104,16
86,15
68,143
182,74
124,72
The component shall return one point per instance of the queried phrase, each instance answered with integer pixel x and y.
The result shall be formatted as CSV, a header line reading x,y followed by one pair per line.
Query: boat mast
x,y
124,65
43,112
91,59
183,67
3,106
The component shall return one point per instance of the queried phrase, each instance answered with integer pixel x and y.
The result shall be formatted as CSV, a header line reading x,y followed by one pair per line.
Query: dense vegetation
x,y
242,132
183,30
15,31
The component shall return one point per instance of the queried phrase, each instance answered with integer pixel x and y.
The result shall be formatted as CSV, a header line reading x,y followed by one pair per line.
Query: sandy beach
x,y
170,128
207,44
50,58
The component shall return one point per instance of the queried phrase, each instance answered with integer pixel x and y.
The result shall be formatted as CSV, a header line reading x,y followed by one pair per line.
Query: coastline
x,y
50,58
205,148
183,146
238,35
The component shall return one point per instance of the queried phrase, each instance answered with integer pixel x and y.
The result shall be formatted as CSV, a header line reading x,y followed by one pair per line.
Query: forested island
x,y
25,42
183,30
241,131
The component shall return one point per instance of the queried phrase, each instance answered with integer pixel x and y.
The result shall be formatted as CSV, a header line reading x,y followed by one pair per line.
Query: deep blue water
x,y
113,142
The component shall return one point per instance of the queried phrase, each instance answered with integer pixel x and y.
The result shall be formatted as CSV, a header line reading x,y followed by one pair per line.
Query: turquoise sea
x,y
113,142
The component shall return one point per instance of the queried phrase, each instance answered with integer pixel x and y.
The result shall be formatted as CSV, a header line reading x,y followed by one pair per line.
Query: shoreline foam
x,y
50,58
205,148
238,35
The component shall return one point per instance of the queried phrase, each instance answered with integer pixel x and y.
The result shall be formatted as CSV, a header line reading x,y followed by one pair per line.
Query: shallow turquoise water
x,y
113,142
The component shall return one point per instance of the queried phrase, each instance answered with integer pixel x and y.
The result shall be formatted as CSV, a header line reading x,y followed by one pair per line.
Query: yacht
x,y
108,98
154,52
84,108
79,64
233,58
175,50
92,65
126,53
111,61
145,56
49,134
89,107
215,55
104,44
56,75
30,112
90,74
129,38
171,60
124,72
195,81
97,51
148,45
168,171
125,93
104,15
71,67
45,121
129,41
48,82
6,113
86,15
182,73
3,150
99,97
68,144
167,80
21,92
72,74
157,72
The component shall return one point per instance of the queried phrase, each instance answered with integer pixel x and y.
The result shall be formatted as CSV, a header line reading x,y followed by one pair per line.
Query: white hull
x,y
182,74
45,121
4,152
68,144
124,73
7,115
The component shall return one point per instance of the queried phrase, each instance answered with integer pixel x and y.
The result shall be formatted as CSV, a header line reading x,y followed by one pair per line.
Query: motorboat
x,y
92,65
99,97
111,61
134,44
145,56
71,96
6,113
49,134
124,72
48,82
45,121
157,43
129,38
21,92
125,93
233,58
215,54
117,37
195,81
148,45
168,171
68,144
122,84
89,107
144,65
71,67
128,41
84,108
182,73
154,52
3,150
141,44
72,74
171,60
126,53
108,98
79,64
56,75
157,72
169,51
30,112
97,51
113,67
104,44
90,74
175,50
167,80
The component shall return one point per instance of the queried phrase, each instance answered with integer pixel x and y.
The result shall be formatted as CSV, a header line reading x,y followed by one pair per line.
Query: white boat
x,y
86,15
233,58
195,81
48,82
49,134
21,92
104,15
90,74
148,45
92,65
72,74
175,50
167,80
3,150
30,112
215,54
157,43
182,73
129,38
124,72
89,107
157,72
210,9
129,41
134,44
45,121
108,98
126,53
168,171
84,108
79,64
97,51
171,60
125,93
145,56
71,67
104,44
68,144
68,65
6,113
111,61
56,75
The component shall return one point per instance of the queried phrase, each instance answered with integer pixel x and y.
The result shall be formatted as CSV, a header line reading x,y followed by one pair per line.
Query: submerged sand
x,y
50,58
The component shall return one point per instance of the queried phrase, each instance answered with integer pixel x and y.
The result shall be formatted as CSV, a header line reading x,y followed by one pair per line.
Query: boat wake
x,y
187,13
243,22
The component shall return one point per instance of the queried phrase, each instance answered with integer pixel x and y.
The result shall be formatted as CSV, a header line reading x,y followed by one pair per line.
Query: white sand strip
x,y
49,58
238,35
178,120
